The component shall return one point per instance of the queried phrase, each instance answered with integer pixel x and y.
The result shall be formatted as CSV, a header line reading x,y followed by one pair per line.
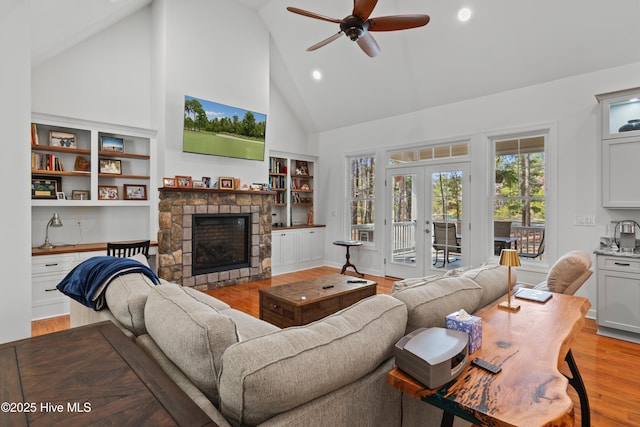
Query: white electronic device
x,y
433,356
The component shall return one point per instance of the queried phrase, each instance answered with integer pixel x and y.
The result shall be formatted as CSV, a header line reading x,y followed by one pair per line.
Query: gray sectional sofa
x,y
243,371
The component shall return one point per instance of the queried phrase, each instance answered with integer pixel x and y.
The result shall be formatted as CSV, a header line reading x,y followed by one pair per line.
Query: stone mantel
x,y
176,209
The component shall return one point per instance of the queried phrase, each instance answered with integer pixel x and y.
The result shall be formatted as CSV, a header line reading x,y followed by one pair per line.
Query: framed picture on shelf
x,y
207,181
62,139
198,184
135,192
45,187
60,195
108,192
169,182
226,183
79,195
111,166
183,181
111,143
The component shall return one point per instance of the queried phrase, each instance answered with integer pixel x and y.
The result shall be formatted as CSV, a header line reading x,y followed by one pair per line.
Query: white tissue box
x,y
471,326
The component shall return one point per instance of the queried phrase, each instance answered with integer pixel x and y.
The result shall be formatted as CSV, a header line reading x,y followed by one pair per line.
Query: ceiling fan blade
x,y
397,22
369,45
325,41
363,8
313,15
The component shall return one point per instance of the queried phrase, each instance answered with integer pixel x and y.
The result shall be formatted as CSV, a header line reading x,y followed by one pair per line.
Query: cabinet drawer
x,y
318,310
53,264
275,307
619,263
354,297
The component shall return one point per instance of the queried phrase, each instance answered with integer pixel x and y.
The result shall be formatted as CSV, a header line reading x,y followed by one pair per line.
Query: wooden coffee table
x,y
530,346
303,302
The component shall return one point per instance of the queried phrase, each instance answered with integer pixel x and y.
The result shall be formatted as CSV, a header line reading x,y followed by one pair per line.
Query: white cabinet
x,y
620,134
619,297
296,249
46,272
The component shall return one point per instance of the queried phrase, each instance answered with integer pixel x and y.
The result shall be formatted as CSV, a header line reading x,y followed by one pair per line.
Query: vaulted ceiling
x,y
505,45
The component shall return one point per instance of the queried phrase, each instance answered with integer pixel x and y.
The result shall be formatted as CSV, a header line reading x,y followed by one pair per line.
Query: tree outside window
x,y
362,197
519,196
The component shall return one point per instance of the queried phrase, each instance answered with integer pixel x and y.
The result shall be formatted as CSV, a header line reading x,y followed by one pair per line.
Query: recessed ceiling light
x,y
317,75
464,14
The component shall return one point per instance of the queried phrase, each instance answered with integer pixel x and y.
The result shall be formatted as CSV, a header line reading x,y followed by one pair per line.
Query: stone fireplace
x,y
210,238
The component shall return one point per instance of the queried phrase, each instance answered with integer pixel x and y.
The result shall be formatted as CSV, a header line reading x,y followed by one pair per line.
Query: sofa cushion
x,y
429,304
274,373
126,297
569,272
414,281
493,281
186,325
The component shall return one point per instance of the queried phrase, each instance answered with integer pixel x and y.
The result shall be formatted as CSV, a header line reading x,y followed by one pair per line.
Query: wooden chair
x,y
127,249
445,239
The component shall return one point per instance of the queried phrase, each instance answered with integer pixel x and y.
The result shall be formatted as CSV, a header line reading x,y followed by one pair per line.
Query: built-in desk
x,y
49,266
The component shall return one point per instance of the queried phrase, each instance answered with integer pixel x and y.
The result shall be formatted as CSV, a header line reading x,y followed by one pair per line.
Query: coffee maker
x,y
626,239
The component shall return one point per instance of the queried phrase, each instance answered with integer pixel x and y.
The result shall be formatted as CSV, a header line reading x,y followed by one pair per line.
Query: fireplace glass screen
x,y
220,242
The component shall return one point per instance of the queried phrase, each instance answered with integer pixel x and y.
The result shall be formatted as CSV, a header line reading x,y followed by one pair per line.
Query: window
x,y
362,197
519,204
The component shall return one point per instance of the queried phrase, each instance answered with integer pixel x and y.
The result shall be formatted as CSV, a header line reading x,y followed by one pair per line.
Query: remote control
x,y
327,287
494,369
356,281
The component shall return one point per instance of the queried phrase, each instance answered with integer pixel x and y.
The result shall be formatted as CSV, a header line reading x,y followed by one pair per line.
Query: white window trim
x,y
550,130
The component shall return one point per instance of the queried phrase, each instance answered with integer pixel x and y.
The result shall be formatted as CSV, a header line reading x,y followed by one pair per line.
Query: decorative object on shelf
x,y
302,168
310,217
62,139
79,195
509,258
207,181
183,181
81,164
226,183
45,187
111,166
630,125
53,222
60,195
169,182
135,192
108,192
111,143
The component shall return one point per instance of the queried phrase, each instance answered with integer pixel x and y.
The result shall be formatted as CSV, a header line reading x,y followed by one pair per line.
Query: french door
x,y
421,200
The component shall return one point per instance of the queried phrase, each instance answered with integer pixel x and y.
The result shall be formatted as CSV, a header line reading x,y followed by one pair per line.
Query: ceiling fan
x,y
357,25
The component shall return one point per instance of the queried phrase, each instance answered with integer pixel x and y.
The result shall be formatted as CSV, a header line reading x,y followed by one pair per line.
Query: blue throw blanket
x,y
87,282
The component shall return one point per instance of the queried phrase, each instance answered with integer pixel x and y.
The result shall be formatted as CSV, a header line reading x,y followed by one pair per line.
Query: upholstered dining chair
x,y
127,249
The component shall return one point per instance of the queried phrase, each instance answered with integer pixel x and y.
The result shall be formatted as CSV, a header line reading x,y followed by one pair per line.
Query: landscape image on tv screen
x,y
222,130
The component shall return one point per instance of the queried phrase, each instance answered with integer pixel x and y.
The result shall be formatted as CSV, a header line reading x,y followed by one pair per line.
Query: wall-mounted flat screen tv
x,y
222,130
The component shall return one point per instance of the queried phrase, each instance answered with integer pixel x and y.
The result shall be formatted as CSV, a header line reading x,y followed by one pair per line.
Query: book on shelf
x,y
34,134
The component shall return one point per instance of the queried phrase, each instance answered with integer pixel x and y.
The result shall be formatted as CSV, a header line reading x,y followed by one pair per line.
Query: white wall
x,y
206,53
569,104
15,115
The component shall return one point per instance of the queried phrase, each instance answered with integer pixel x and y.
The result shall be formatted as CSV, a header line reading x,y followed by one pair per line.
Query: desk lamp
x,y
509,258
53,222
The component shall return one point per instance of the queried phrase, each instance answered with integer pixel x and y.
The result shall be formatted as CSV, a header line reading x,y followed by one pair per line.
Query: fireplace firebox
x,y
220,242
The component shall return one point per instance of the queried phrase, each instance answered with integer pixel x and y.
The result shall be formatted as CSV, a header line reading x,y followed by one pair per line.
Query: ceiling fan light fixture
x,y
464,14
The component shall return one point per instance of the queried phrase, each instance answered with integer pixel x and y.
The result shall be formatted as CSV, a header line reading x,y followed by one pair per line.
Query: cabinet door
x,y
619,300
317,244
620,173
47,271
283,247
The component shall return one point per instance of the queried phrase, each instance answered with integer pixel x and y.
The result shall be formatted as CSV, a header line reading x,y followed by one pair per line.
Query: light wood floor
x,y
610,368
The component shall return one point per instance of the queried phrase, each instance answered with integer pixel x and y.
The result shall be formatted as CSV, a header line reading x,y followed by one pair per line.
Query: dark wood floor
x,y
610,368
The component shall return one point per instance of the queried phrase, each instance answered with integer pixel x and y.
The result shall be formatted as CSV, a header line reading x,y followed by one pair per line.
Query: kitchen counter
x,y
610,252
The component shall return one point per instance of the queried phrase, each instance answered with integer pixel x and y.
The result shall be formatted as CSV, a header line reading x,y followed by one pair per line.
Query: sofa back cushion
x,y
569,272
126,297
188,328
429,304
274,373
493,281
